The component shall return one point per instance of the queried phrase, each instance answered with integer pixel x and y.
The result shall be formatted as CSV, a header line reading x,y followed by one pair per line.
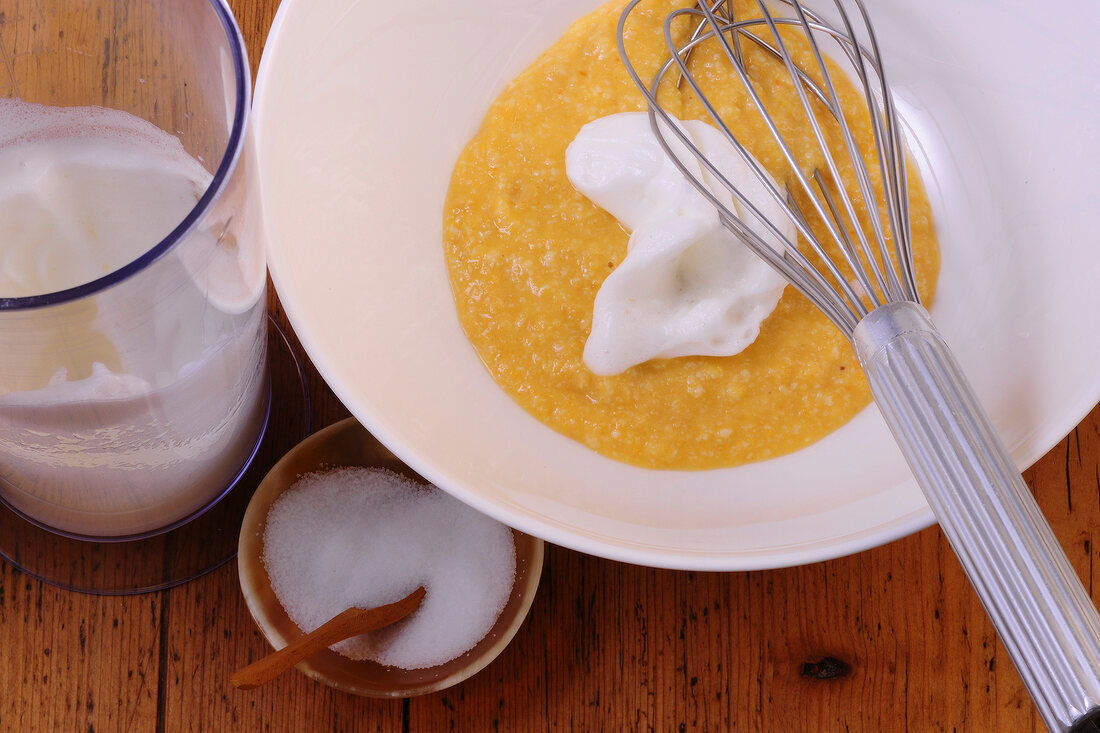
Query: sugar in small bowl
x,y
340,522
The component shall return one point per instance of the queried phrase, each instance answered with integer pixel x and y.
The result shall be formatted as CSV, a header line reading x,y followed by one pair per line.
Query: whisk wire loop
x,y
846,245
830,102
793,264
850,300
866,270
885,286
724,9
889,149
879,273
886,134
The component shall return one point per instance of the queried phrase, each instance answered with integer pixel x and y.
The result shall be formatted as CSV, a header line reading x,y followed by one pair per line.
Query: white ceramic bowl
x,y
363,106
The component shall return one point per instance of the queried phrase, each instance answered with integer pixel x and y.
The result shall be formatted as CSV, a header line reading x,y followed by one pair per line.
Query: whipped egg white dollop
x,y
687,285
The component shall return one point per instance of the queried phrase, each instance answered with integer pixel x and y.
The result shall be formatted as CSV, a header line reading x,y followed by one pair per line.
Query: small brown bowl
x,y
347,443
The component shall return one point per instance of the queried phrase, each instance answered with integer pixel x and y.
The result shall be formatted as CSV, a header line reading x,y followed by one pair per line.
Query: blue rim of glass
x,y
233,148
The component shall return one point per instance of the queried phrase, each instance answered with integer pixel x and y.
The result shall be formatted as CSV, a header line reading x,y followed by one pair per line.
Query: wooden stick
x,y
349,623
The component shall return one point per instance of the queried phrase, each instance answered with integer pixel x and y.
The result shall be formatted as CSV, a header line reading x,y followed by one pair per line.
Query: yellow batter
x,y
527,253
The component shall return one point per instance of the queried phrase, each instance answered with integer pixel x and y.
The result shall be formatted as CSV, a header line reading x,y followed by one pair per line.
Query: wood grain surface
x,y
888,639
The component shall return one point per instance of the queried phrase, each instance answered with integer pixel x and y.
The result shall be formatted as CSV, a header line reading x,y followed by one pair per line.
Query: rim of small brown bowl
x,y
347,443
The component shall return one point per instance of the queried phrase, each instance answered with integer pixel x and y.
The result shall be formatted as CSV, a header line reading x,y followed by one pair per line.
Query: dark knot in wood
x,y
826,668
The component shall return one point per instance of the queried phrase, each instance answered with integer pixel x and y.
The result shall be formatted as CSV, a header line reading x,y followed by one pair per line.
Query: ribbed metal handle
x,y
1042,613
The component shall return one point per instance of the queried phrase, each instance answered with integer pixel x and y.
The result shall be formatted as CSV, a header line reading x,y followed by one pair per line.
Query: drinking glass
x,y
131,403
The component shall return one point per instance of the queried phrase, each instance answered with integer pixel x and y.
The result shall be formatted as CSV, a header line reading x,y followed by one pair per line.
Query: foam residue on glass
x,y
84,191
365,537
131,408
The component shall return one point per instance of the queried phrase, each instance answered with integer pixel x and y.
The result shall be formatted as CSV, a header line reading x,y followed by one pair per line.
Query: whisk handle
x,y
1041,612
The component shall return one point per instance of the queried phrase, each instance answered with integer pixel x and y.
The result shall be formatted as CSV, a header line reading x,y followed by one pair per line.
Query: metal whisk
x,y
1042,614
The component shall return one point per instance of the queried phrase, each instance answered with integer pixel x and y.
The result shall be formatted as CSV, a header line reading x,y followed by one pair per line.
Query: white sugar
x,y
366,537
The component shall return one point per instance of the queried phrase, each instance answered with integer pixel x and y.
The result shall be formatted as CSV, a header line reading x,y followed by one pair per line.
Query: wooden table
x,y
889,639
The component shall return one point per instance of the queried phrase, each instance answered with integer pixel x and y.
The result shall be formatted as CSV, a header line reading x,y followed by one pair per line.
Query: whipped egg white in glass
x,y
133,373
